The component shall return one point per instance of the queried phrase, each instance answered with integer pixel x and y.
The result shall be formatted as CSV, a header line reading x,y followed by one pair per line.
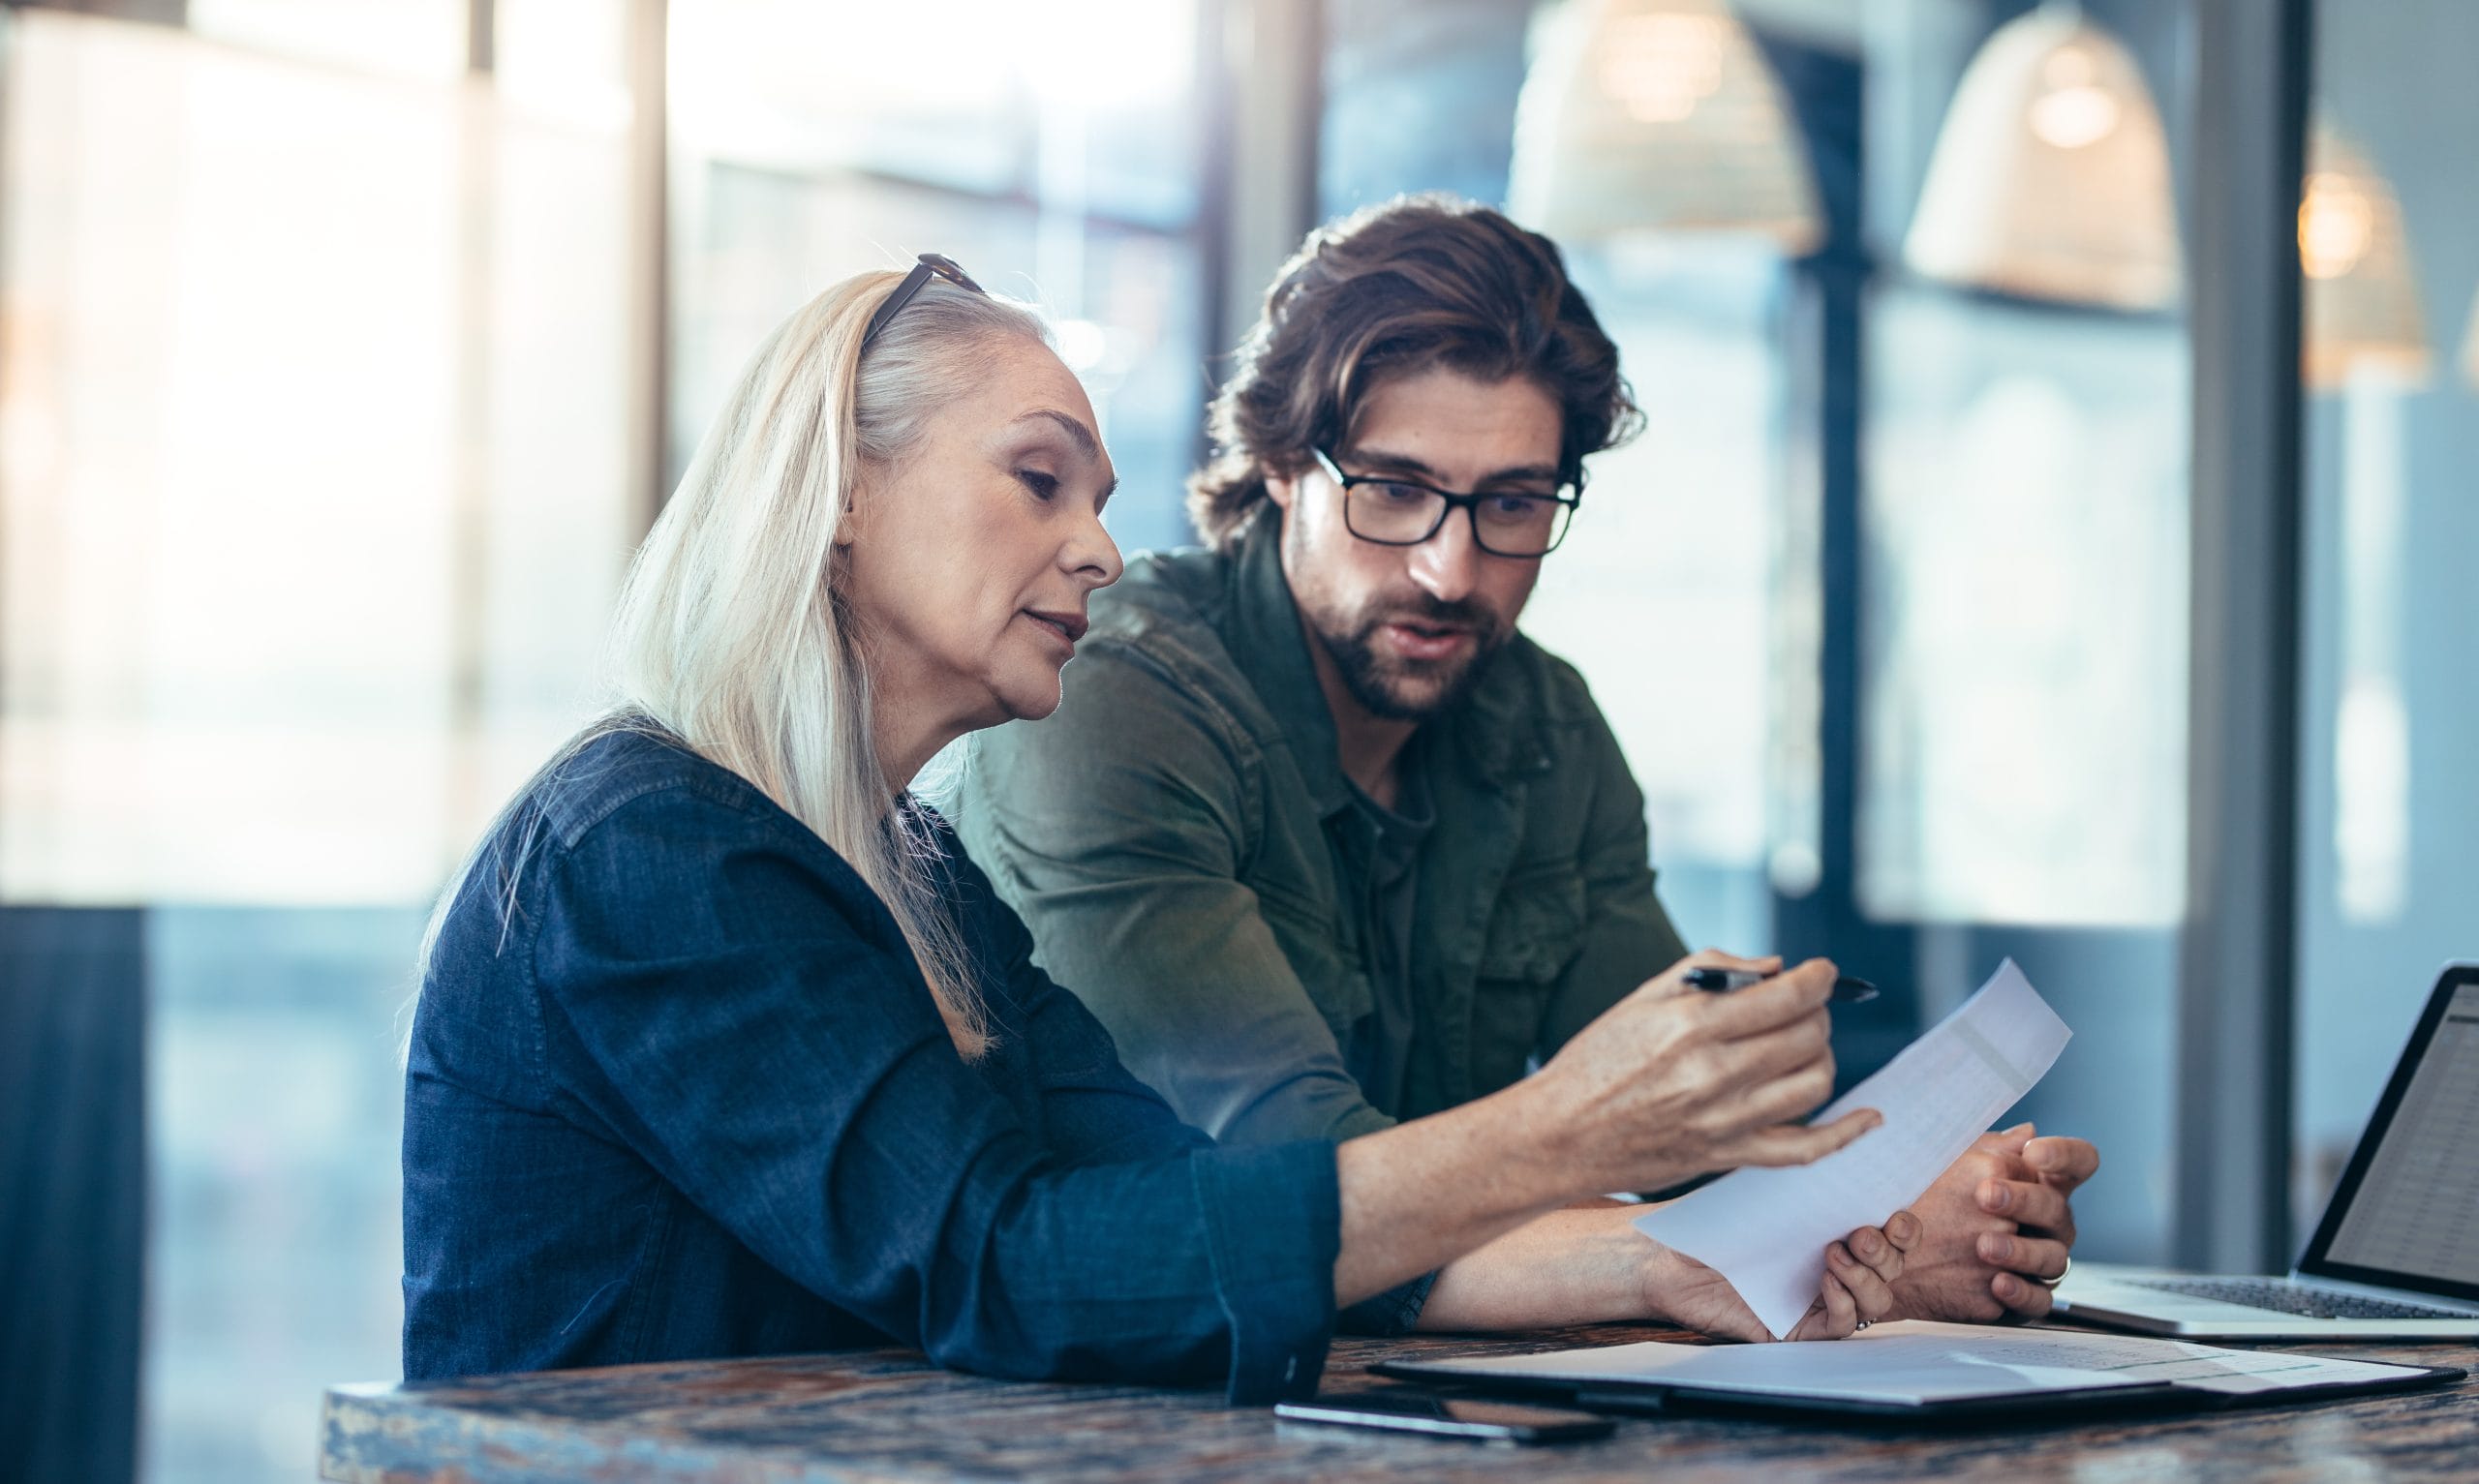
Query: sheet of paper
x,y
1913,1363
1767,1229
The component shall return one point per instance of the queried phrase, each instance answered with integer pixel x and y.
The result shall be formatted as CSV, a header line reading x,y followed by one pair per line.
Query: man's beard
x,y
1392,687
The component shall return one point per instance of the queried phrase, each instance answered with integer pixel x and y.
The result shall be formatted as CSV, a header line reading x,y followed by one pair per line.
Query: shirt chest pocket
x,y
1535,928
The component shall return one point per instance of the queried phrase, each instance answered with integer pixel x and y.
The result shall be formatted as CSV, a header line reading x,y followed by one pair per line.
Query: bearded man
x,y
1322,839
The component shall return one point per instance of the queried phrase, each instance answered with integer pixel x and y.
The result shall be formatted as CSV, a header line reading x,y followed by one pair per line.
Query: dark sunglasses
x,y
931,265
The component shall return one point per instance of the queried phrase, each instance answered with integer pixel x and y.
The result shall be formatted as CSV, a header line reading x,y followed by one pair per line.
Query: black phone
x,y
1408,1409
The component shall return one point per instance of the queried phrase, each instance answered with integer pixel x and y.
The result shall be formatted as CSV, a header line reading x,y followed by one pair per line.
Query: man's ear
x,y
1279,487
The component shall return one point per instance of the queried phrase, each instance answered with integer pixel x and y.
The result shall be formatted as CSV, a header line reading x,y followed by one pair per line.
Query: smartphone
x,y
1407,1409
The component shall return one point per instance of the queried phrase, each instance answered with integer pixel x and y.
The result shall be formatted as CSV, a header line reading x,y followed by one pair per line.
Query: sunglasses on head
x,y
930,266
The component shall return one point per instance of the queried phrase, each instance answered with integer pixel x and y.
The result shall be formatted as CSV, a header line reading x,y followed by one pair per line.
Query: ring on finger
x,y
2051,1282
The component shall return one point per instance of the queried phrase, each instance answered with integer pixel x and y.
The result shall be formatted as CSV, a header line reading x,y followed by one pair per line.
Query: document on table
x,y
1913,1363
1767,1229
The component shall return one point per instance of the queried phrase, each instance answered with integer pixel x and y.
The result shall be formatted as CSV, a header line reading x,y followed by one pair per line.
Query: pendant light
x,y
1657,115
2050,178
2362,297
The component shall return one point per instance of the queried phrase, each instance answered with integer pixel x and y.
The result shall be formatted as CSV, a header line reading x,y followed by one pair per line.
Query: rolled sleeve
x,y
1272,1228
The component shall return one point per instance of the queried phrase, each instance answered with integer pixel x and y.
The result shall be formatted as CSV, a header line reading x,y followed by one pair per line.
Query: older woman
x,y
724,1047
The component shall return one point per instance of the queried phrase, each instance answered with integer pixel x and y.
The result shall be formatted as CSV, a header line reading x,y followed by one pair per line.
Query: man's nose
x,y
1448,565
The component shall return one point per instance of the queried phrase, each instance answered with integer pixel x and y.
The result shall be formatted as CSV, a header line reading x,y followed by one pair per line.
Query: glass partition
x,y
319,473
2389,814
1888,605
1055,151
313,500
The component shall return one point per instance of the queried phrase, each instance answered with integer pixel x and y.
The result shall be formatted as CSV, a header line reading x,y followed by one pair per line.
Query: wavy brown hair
x,y
1394,290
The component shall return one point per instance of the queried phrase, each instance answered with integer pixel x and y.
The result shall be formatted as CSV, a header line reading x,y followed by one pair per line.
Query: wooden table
x,y
889,1416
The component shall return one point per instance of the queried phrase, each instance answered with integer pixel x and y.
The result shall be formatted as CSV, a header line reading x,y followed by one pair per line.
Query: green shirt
x,y
1379,849
1178,839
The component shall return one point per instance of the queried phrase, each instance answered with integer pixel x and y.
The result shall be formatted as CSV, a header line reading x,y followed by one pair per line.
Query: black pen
x,y
1845,989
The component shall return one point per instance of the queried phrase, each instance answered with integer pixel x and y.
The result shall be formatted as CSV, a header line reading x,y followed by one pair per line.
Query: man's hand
x,y
2000,1224
1671,1082
1860,1274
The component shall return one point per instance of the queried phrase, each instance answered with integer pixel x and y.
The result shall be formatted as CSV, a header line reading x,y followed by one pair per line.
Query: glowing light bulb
x,y
2335,226
1661,66
2074,110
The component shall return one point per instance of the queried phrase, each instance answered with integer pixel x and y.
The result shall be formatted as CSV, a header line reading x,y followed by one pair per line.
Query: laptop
x,y
2397,1253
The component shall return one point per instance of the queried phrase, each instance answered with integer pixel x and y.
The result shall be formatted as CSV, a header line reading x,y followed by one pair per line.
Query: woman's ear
x,y
847,526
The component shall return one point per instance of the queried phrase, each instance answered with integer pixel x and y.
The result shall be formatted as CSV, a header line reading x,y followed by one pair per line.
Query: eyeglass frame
x,y
1470,505
927,266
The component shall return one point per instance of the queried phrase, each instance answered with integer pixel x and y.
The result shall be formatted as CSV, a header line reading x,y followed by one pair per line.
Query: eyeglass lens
x,y
1506,524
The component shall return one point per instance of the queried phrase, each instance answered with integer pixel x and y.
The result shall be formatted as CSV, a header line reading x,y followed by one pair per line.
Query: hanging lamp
x,y
2050,178
2362,297
1658,115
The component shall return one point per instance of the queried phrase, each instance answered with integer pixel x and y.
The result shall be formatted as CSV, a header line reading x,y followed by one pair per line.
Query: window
x,y
1054,151
2389,812
320,469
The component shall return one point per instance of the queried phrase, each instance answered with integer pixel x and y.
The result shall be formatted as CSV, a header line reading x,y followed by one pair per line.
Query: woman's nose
x,y
1096,557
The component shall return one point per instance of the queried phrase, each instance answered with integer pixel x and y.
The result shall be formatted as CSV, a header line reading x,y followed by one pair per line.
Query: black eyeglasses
x,y
930,266
1392,511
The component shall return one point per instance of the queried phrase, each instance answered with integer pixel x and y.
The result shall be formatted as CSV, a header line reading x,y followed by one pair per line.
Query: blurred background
x,y
347,347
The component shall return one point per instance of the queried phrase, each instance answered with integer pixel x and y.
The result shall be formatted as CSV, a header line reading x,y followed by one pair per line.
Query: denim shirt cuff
x,y
1272,1226
1389,1314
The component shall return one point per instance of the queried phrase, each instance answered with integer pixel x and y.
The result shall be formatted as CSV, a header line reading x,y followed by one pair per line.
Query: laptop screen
x,y
2406,1214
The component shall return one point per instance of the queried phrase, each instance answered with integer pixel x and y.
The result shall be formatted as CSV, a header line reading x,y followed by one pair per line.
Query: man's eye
x,y
1043,486
1516,507
1400,493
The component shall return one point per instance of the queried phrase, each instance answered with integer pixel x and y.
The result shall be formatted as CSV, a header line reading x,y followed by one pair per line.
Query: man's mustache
x,y
1466,613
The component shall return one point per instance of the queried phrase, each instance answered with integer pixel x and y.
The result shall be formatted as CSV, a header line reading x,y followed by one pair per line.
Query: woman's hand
x,y
1672,1082
1860,1274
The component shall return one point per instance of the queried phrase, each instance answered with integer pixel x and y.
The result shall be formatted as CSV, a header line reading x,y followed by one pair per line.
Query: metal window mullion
x,y
2237,961
649,235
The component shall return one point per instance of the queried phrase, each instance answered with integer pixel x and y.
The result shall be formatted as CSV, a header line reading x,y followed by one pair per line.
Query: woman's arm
x,y
762,1042
1668,1085
1706,1073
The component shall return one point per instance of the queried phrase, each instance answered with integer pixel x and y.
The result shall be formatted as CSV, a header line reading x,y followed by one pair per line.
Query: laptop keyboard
x,y
2294,1298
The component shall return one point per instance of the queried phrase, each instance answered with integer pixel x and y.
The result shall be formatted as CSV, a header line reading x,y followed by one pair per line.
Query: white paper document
x,y
1915,1364
1767,1229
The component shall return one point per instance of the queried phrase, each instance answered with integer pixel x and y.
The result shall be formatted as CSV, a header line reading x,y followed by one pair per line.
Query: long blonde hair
x,y
733,636
733,632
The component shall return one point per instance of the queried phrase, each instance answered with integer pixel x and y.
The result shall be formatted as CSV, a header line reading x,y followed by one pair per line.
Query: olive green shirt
x,y
1177,838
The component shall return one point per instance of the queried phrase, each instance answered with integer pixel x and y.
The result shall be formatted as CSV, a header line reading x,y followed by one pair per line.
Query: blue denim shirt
x,y
676,1089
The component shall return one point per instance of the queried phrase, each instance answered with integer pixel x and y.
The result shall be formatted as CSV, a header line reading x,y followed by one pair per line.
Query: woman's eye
x,y
1043,486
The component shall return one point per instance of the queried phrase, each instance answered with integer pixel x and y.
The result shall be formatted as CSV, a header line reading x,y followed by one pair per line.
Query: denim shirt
x,y
676,1089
